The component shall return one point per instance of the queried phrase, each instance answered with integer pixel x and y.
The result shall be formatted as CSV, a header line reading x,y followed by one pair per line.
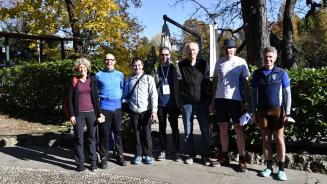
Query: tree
x,y
288,40
256,29
91,23
199,27
254,16
313,40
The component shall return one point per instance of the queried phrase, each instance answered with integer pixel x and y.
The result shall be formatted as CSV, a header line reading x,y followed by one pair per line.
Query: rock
x,y
253,158
306,167
289,160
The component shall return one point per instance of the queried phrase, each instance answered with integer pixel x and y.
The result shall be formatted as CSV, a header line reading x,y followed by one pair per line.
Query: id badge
x,y
165,89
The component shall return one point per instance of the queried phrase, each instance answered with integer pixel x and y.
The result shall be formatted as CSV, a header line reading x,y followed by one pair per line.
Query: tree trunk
x,y
256,29
287,44
78,42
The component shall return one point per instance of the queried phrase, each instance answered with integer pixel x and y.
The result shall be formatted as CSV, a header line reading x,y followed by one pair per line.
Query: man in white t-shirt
x,y
230,77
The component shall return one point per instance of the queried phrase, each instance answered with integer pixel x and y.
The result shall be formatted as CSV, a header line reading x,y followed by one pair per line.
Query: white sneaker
x,y
189,160
177,157
162,156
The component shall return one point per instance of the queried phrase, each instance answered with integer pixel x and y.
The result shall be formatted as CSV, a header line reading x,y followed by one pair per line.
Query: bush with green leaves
x,y
39,90
309,105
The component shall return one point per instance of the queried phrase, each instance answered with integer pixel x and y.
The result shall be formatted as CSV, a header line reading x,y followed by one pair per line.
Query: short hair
x,y
270,49
82,61
137,59
109,54
187,45
164,48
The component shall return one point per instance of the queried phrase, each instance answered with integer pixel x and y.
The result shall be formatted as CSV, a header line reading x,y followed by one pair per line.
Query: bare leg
x,y
279,136
240,139
266,143
224,139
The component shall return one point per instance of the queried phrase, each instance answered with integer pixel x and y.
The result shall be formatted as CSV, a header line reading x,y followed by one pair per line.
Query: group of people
x,y
174,88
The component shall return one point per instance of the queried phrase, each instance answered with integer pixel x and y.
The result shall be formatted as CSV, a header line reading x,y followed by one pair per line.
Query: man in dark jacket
x,y
194,98
167,87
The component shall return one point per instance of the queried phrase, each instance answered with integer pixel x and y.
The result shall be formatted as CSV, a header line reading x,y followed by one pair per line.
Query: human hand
x,y
246,107
101,118
253,117
73,120
212,108
154,117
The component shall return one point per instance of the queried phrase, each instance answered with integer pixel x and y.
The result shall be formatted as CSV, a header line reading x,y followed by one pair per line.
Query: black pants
x,y
173,121
142,132
89,118
113,121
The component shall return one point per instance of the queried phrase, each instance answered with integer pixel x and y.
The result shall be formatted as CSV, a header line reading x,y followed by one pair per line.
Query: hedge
x,y
39,89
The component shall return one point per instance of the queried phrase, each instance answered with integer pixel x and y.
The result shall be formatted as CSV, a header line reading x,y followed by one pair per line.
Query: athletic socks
x,y
281,166
269,164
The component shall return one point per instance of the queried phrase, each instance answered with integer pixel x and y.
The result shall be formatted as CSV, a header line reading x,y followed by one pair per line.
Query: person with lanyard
x,y
111,86
143,104
271,93
194,99
167,85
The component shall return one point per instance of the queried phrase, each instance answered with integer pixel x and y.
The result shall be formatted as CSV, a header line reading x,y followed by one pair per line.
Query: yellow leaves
x,y
32,45
30,8
102,22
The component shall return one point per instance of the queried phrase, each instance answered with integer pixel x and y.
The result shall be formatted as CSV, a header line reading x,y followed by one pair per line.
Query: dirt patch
x,y
13,126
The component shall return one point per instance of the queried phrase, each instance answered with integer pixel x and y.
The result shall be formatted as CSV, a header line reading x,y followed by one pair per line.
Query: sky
x,y
151,14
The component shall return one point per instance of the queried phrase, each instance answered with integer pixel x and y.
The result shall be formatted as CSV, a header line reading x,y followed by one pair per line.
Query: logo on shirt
x,y
274,76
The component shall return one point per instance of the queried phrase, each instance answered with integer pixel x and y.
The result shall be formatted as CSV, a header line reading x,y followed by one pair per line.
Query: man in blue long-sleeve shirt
x,y
271,104
111,86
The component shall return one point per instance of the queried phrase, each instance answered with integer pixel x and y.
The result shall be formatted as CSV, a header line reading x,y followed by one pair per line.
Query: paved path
x,y
56,165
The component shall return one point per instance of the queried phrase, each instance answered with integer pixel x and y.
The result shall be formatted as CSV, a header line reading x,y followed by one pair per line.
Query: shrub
x,y
309,105
39,90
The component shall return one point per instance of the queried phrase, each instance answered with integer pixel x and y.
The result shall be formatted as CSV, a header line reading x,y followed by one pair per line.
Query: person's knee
x,y
279,140
238,128
223,126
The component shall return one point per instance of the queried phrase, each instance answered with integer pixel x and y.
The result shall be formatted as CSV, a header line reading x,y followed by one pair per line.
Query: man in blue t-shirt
x,y
271,93
111,86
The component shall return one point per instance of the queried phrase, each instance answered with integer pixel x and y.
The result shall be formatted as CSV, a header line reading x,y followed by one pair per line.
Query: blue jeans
x,y
201,111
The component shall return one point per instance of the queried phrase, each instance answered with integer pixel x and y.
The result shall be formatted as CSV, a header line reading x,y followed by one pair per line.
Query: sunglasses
x,y
164,54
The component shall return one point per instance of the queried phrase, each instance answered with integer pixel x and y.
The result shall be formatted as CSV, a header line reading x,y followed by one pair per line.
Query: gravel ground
x,y
14,175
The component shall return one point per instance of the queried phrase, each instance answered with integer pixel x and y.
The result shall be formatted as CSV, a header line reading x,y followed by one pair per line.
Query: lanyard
x,y
165,76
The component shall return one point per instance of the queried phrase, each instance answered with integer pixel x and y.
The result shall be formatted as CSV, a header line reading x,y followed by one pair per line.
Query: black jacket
x,y
194,84
73,98
176,91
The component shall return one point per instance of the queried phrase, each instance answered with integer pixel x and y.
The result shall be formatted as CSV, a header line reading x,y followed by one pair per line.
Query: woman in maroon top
x,y
84,108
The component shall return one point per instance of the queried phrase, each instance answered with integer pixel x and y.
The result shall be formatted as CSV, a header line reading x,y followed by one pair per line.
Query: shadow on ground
x,y
41,154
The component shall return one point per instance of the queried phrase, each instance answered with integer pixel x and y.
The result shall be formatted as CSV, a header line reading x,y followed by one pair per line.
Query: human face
x,y
138,67
230,52
82,70
192,51
269,60
164,56
109,62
